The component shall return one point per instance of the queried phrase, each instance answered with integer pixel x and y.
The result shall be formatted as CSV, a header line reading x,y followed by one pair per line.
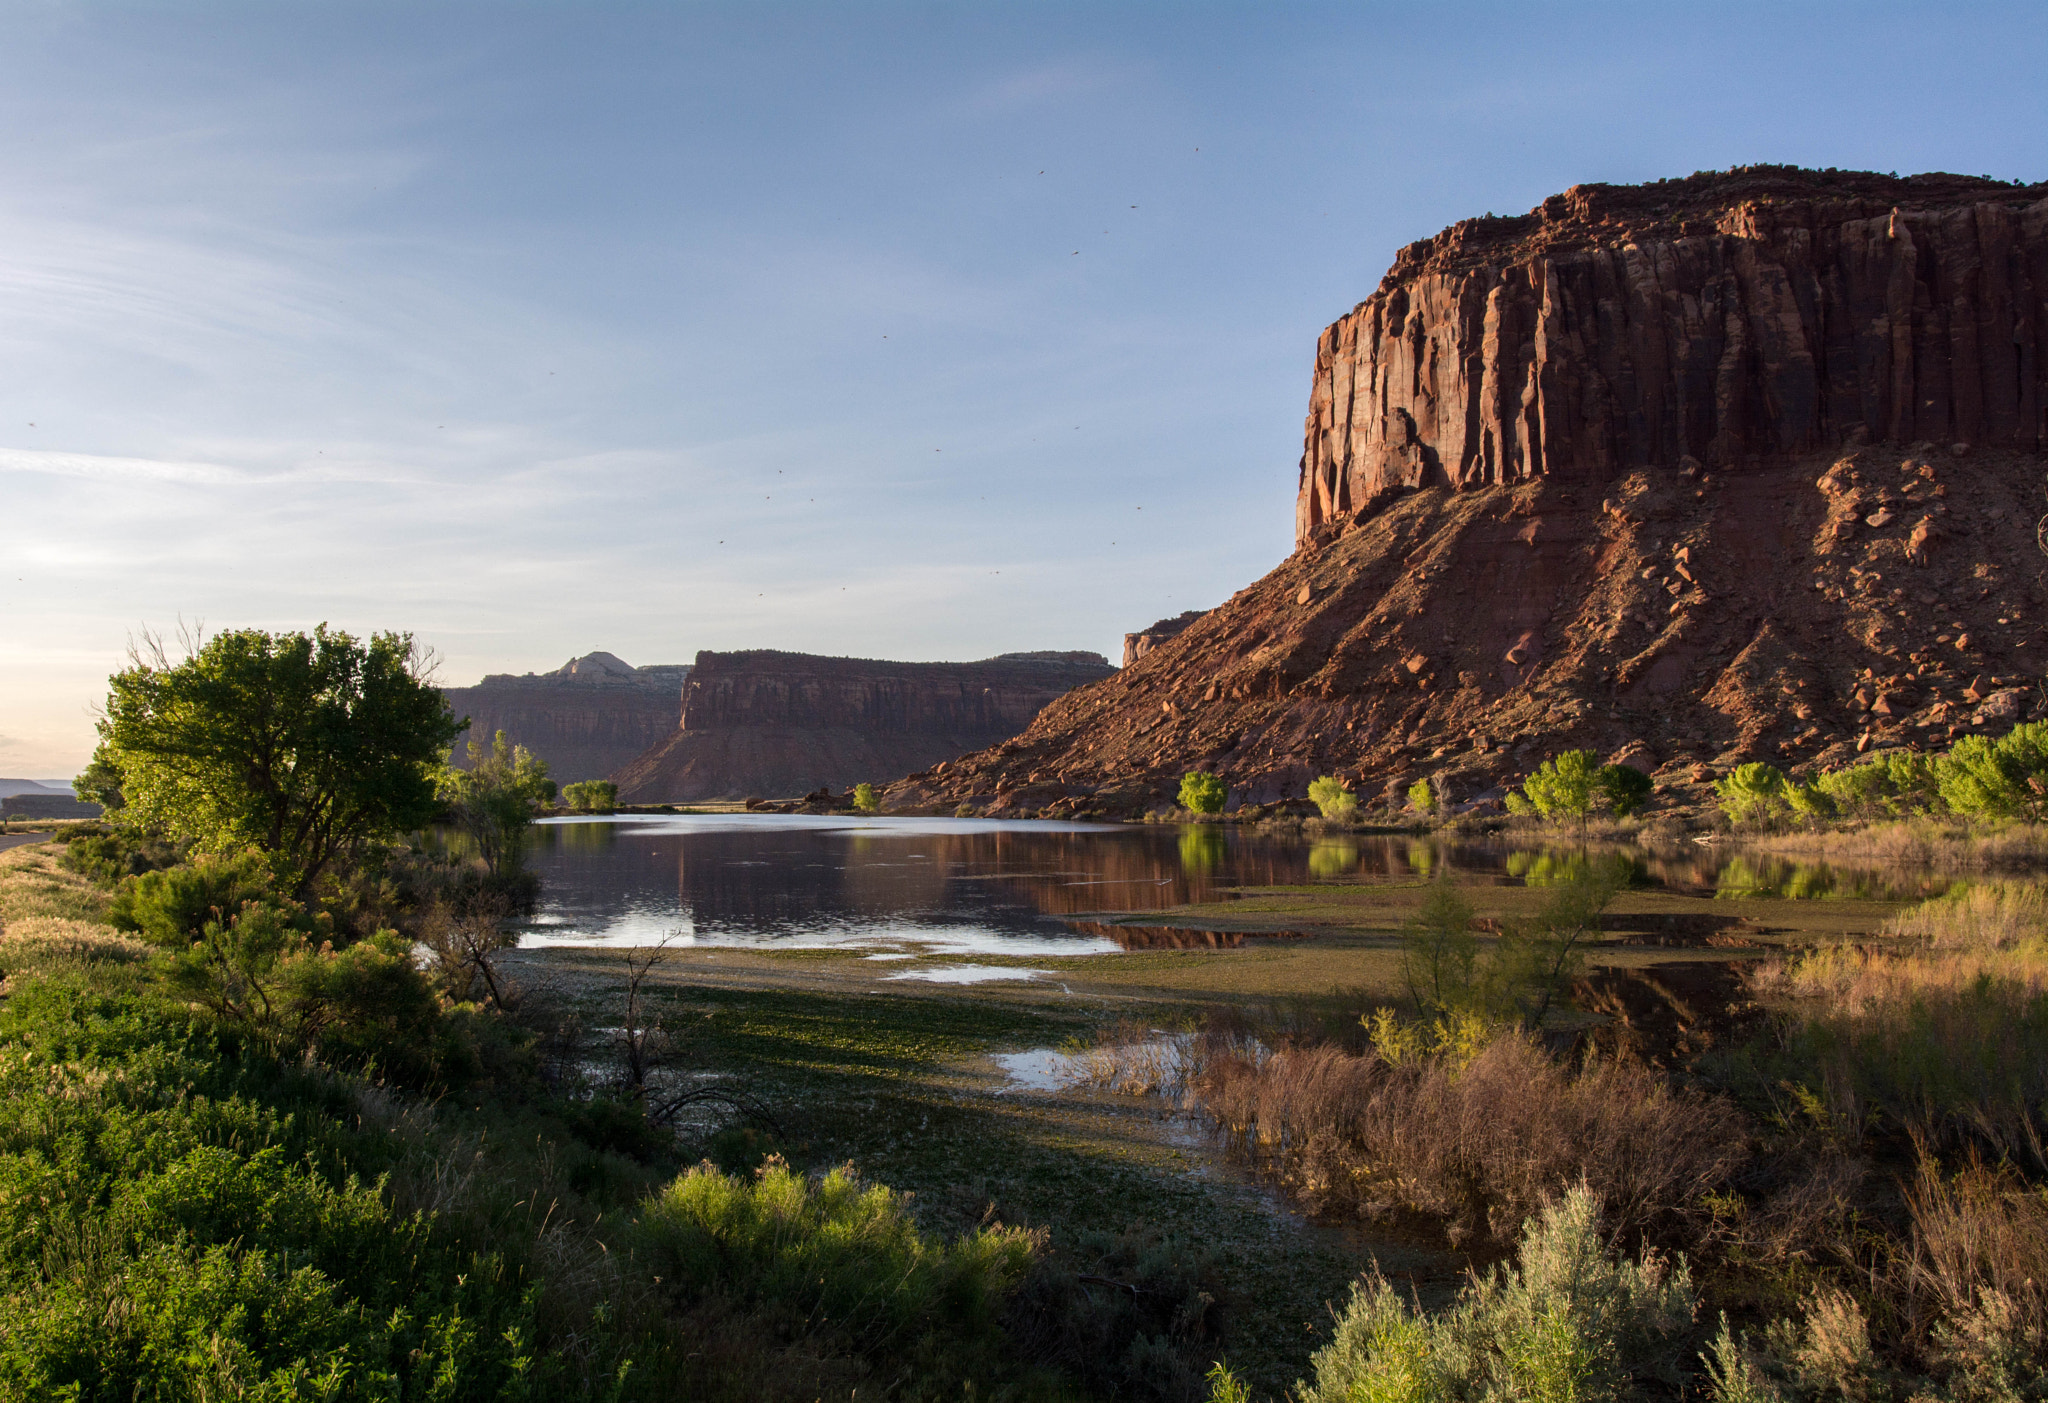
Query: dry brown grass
x,y
34,883
1482,1147
1938,845
1942,1032
46,942
1980,1245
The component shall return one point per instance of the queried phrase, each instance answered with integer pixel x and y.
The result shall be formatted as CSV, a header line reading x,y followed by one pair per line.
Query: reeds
x,y
1942,1033
1940,845
1481,1145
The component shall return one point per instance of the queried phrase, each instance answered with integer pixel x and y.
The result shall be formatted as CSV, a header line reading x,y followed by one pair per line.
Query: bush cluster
x,y
1977,778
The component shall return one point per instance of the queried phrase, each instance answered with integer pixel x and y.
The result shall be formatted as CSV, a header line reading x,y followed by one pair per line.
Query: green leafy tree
x,y
1897,784
1564,785
2003,778
494,800
1622,788
1421,797
1202,793
1333,797
865,799
1752,793
592,796
100,783
299,744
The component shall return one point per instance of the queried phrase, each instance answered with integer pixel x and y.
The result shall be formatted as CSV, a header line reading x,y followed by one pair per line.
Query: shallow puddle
x,y
969,974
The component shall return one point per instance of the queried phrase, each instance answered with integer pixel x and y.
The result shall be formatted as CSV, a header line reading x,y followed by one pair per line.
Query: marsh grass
x,y
1949,846
1939,1033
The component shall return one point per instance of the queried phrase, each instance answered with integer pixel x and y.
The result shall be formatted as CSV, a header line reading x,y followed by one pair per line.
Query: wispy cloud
x,y
100,468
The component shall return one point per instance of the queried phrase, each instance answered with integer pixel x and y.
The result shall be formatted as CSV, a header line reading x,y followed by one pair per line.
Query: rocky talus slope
x,y
1745,466
586,718
773,725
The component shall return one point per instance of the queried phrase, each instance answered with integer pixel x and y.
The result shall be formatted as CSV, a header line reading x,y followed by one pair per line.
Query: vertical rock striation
x,y
1732,318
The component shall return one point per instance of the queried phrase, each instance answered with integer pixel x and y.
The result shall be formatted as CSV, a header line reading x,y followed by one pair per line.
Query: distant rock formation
x,y
46,804
586,718
1137,645
772,724
1739,467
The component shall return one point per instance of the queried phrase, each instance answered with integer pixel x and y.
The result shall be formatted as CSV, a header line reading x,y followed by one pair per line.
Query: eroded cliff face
x,y
586,718
771,724
1732,318
1745,466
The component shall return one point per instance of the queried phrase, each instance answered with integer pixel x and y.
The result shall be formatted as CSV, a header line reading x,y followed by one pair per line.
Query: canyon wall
x,y
775,725
1731,318
1744,466
586,718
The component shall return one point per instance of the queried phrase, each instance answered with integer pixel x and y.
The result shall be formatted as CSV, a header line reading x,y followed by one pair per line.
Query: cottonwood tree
x,y
301,745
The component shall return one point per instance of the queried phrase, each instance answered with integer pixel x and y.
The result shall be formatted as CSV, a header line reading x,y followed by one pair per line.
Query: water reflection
x,y
977,886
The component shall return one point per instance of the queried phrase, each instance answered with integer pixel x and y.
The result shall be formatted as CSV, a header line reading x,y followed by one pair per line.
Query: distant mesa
x,y
10,787
1743,466
586,718
768,723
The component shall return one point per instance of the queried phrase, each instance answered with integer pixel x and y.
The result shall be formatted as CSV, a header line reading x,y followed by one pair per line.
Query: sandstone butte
x,y
766,724
1743,466
586,718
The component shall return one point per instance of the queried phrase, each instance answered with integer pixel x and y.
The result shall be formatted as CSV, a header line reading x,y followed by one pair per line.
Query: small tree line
x,y
1979,777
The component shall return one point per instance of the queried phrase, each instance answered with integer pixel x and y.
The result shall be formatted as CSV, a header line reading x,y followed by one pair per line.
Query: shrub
x,y
1480,1144
1568,1323
1752,793
1202,793
833,1249
591,796
1439,952
865,798
2005,778
107,855
172,907
1563,786
1622,788
1334,798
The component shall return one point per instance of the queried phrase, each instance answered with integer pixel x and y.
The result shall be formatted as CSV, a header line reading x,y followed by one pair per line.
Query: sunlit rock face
x,y
1732,318
1744,466
775,725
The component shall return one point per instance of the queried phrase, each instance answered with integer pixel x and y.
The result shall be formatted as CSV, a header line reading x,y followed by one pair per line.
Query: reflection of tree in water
x,y
1332,858
1556,867
1201,849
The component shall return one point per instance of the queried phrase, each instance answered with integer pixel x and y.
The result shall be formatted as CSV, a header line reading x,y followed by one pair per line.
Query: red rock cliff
x,y
1741,467
773,724
1757,314
586,718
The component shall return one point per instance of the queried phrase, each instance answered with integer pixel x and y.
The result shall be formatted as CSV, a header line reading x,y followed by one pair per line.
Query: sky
x,y
926,331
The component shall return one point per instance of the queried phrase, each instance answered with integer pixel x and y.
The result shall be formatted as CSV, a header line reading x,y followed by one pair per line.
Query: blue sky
x,y
916,331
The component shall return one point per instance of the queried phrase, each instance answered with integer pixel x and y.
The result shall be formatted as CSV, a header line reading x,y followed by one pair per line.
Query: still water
x,y
901,886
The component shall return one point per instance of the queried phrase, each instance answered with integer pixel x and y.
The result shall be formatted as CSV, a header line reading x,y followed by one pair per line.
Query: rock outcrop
x,y
774,724
586,718
1137,645
1744,466
1759,314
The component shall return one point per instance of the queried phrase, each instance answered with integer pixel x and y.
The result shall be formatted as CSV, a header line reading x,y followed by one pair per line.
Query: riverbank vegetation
x,y
1848,1180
